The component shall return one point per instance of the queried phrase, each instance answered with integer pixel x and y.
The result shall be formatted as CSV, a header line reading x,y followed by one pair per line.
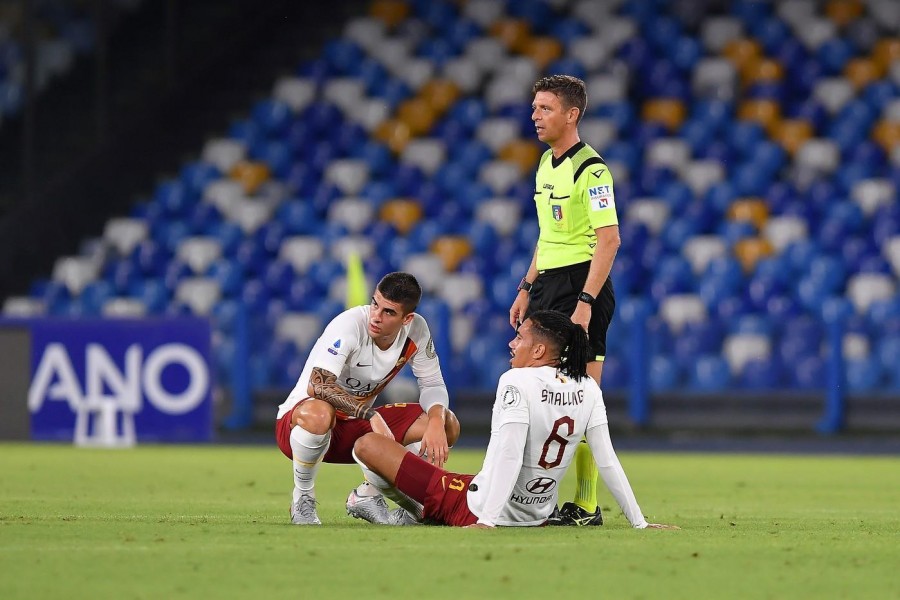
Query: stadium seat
x,y
739,349
428,268
75,272
680,309
702,249
23,307
124,234
652,212
199,252
865,288
354,214
302,329
458,289
503,214
301,252
199,293
223,153
451,250
118,308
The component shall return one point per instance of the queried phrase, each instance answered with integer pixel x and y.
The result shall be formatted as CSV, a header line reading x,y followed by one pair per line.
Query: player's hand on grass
x,y
435,448
380,427
661,526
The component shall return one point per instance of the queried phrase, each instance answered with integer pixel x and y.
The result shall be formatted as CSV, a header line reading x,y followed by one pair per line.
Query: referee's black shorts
x,y
558,289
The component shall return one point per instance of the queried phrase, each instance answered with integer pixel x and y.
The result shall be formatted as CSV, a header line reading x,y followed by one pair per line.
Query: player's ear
x,y
408,318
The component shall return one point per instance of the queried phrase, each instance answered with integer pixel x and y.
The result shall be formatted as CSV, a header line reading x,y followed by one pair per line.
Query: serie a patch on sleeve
x,y
602,197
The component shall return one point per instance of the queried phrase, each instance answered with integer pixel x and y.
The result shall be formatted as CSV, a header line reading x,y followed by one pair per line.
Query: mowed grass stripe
x,y
212,521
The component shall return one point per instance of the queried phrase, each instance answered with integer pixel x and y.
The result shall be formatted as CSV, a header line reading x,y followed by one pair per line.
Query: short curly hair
x,y
571,91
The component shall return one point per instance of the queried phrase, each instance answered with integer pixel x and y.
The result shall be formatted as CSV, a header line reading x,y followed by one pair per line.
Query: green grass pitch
x,y
212,522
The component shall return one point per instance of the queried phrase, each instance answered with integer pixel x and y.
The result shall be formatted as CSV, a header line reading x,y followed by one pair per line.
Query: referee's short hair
x,y
571,91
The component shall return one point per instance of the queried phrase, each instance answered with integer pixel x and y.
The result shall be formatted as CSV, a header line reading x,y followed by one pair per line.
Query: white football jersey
x,y
557,410
346,349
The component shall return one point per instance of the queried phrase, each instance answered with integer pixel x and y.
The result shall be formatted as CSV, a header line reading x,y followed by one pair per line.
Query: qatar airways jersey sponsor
x,y
346,349
558,410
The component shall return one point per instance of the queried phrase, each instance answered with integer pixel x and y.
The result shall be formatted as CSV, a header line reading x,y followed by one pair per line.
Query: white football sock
x,y
401,499
308,450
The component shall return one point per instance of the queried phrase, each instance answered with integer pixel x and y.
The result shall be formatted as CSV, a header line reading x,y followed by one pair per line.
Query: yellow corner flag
x,y
357,290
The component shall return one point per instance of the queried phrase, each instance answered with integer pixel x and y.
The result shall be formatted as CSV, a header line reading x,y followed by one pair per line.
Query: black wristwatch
x,y
524,285
586,298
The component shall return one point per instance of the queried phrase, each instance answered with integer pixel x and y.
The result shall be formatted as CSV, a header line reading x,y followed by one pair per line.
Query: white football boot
x,y
373,509
303,511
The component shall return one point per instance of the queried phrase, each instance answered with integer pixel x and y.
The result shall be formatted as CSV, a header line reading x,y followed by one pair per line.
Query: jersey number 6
x,y
560,441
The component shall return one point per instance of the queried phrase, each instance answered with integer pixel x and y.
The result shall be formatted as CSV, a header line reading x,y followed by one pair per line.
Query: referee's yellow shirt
x,y
574,196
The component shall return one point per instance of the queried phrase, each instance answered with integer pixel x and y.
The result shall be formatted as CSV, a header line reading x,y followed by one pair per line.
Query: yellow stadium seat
x,y
862,71
451,249
792,133
887,134
752,210
765,112
402,213
391,12
843,12
669,112
742,51
543,50
749,251
440,94
523,153
513,33
418,116
761,69
250,174
395,133
887,50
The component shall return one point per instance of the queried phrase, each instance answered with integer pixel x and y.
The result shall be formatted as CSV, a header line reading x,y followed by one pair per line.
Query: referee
x,y
578,241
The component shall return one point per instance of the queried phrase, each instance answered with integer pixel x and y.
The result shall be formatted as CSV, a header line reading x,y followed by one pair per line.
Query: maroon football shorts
x,y
399,418
442,493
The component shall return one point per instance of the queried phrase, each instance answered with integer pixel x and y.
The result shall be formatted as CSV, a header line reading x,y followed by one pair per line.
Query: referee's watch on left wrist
x,y
524,285
586,298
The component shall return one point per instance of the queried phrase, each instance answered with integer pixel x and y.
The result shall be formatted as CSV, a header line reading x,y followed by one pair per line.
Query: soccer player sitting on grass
x,y
544,405
357,355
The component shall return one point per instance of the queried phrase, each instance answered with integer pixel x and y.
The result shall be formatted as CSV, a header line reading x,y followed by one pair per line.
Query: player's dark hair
x,y
401,288
569,339
571,91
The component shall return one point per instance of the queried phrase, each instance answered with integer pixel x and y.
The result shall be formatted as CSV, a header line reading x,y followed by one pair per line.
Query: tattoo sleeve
x,y
324,387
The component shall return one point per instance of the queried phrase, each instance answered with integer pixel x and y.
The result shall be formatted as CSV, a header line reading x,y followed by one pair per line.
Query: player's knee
x,y
451,427
315,416
364,447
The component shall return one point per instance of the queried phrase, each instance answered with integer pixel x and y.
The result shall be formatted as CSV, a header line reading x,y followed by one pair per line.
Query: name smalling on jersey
x,y
562,398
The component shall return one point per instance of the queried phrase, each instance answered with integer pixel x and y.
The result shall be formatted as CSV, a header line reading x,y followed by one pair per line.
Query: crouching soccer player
x,y
543,407
357,355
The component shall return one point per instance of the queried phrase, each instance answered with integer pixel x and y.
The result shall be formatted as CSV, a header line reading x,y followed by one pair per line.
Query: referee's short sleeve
x,y
601,197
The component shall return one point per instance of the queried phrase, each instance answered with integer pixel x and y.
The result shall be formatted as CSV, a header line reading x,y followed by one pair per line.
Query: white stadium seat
x,y
462,329
592,52
678,310
714,77
652,212
199,293
302,329
251,214
673,153
503,214
818,154
224,194
598,132
353,213
23,306
459,289
606,88
428,268
870,194
855,345
125,233
464,72
360,245
429,154
700,250
198,252
414,72
344,91
500,175
741,348
487,52
865,288
483,12
700,175
301,251
124,308
892,253
833,93
496,132
349,175
369,112
75,272
503,91
224,153
716,32
814,32
782,230
295,92
367,32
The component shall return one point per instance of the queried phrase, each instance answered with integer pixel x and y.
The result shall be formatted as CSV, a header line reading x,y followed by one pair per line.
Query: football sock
x,y
401,499
586,477
308,450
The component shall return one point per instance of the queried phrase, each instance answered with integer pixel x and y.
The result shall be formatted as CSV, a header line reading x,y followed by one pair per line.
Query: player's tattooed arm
x,y
323,385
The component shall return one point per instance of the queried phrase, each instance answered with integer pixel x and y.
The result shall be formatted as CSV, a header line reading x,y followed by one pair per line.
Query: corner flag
x,y
357,290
